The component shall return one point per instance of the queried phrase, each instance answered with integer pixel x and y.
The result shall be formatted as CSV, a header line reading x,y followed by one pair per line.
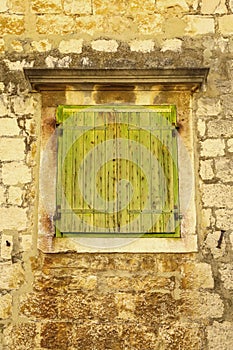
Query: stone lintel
x,y
166,79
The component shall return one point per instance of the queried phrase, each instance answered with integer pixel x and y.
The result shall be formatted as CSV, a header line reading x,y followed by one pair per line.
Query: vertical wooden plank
x,y
134,172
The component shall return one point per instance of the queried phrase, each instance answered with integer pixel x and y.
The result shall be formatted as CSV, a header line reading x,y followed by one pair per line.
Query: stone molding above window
x,y
127,87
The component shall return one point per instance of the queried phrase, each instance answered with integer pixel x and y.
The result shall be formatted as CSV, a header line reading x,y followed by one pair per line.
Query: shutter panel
x,y
117,171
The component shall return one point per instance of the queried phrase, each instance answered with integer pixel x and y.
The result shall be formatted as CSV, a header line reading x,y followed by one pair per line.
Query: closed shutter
x,y
117,171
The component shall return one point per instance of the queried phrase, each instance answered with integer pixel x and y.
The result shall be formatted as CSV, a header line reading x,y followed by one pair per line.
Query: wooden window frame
x,y
159,86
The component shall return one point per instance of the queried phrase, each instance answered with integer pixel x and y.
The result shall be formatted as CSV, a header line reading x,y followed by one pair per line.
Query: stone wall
x,y
115,301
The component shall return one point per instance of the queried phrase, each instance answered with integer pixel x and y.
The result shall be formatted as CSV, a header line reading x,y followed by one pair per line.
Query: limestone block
x,y
217,195
224,168
212,148
12,149
206,169
226,24
3,106
6,246
105,45
199,25
9,127
11,24
20,336
174,27
81,7
211,244
46,6
3,6
197,275
226,273
163,5
26,243
213,6
224,219
2,195
231,5
16,173
17,46
230,145
142,45
5,306
201,126
148,24
122,7
172,45
220,128
2,46
203,305
23,105
52,24
206,218
12,276
208,107
17,6
71,46
220,336
8,223
15,195
41,46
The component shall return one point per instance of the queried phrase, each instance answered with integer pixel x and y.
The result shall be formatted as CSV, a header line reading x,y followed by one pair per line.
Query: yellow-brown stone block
x,y
51,24
46,6
122,7
11,24
80,7
226,25
17,6
5,306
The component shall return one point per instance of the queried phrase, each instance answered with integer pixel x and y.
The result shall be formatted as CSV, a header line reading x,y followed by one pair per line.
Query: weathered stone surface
x,y
3,6
212,148
213,6
172,45
56,335
80,7
2,194
6,247
142,45
224,168
173,27
230,145
19,215
2,46
199,25
15,173
226,24
39,306
226,272
105,45
12,276
9,127
224,219
220,336
12,149
41,46
206,169
51,24
148,24
121,7
11,24
23,105
15,195
217,195
212,242
72,45
17,46
197,275
17,6
208,107
163,5
46,6
181,335
5,306
4,107
220,128
20,336
201,127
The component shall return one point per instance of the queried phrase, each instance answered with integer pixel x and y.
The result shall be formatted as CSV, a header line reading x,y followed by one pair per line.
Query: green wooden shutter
x,y
117,171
